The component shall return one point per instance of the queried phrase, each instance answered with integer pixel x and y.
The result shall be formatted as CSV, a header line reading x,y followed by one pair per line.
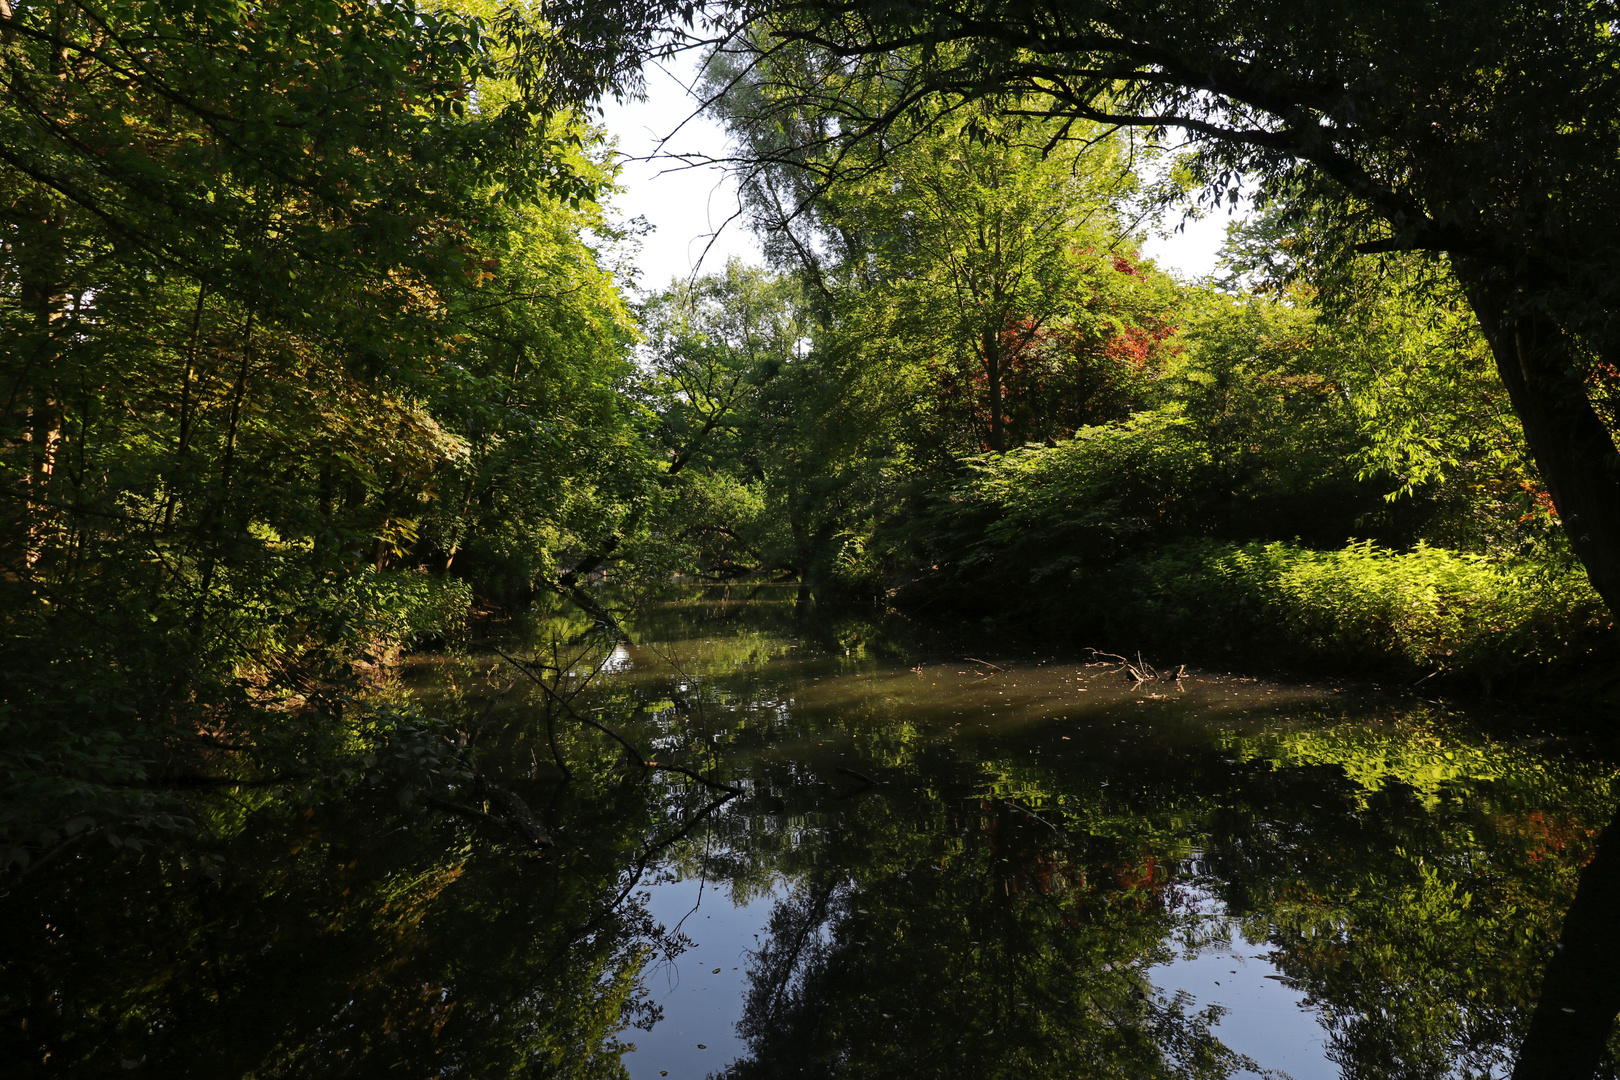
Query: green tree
x,y
252,266
537,392
786,440
986,249
1396,337
978,239
715,345
1481,131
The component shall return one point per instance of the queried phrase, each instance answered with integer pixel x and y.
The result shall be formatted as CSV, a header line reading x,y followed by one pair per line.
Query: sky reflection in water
x,y
959,859
1295,855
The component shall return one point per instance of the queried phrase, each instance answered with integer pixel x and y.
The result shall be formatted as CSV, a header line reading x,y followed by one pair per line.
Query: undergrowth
x,y
1360,607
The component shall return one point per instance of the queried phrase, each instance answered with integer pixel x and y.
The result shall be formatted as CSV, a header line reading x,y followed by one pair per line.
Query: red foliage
x,y
1056,378
1125,266
1561,839
1542,500
1603,382
1137,345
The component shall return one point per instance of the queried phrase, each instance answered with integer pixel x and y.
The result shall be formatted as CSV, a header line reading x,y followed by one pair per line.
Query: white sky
x,y
689,207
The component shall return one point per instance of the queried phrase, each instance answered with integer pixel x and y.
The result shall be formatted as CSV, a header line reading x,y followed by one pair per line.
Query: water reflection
x,y
998,865
338,942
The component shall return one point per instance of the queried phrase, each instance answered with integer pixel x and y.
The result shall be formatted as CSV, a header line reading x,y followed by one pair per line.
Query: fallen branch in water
x,y
517,812
641,759
862,777
518,817
1139,671
571,586
559,667
1027,811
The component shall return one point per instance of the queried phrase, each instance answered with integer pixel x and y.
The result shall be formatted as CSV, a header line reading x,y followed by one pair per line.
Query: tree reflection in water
x,y
1022,953
354,934
956,895
1010,943
1405,872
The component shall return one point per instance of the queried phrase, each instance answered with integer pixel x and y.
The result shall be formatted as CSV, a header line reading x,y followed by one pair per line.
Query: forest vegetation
x,y
322,343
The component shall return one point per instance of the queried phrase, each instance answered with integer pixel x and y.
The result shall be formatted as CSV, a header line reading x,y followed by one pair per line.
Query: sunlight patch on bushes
x,y
1425,610
407,608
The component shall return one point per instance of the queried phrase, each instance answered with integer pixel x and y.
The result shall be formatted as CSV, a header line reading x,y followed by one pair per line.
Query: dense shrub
x,y
411,608
1361,606
1273,466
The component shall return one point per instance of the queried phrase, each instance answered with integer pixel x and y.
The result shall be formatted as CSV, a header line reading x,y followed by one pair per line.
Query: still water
x,y
909,855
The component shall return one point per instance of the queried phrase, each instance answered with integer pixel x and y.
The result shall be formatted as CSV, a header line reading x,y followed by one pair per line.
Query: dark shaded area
x,y
982,868
345,942
1574,1020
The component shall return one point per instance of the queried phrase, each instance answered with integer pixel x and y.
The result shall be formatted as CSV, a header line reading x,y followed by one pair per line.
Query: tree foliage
x,y
1477,131
292,300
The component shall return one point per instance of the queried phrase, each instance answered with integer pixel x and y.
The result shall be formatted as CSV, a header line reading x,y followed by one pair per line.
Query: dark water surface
x,y
946,859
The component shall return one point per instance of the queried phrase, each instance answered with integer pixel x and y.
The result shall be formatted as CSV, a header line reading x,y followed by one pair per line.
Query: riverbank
x,y
1467,623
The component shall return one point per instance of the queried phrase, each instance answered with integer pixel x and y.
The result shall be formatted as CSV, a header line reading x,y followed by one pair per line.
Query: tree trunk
x,y
1538,361
1580,994
41,258
991,344
1539,364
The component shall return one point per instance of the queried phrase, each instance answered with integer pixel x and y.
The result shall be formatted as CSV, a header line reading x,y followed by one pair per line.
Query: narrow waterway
x,y
867,851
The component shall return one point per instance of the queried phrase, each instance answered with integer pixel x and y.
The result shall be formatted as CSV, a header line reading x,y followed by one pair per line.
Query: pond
x,y
865,850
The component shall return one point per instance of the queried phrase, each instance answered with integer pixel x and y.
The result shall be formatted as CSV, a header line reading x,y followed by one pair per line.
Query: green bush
x,y
1039,511
406,608
1361,606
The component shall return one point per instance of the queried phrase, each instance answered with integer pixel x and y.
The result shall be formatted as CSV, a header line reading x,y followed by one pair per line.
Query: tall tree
x,y
252,260
1483,131
985,247
982,240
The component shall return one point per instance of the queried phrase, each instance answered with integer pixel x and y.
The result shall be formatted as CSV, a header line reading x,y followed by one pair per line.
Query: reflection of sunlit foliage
x,y
1409,882
1415,752
948,899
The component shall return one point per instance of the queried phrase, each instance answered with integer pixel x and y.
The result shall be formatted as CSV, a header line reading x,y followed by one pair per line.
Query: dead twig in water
x,y
641,759
1031,813
862,777
1139,671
